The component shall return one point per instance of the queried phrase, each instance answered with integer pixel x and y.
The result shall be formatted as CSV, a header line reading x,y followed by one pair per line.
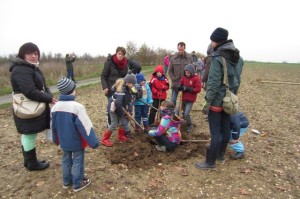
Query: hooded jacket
x,y
176,67
216,89
110,74
193,82
159,85
27,79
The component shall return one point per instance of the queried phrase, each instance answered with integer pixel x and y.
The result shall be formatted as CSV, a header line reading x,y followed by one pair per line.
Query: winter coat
x,y
122,100
166,61
238,121
191,82
207,62
69,62
215,90
134,66
71,126
27,79
146,96
168,127
176,67
159,85
110,74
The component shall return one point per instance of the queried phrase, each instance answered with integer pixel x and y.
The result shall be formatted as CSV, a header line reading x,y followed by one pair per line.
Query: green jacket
x,y
215,87
69,62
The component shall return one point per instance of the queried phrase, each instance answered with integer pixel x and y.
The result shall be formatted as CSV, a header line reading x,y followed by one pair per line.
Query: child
x,y
159,85
190,85
140,106
121,98
73,131
167,134
239,125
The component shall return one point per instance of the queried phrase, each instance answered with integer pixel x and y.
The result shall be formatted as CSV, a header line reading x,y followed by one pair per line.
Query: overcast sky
x,y
262,30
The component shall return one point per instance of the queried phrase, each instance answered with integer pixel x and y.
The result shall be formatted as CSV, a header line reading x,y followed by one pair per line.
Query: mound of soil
x,y
140,152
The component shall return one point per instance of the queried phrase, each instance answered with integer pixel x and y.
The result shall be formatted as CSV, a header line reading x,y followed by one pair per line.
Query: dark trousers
x,y
156,103
219,126
164,141
70,74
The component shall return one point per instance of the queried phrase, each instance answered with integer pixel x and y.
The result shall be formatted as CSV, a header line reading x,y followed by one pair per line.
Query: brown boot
x,y
121,136
105,139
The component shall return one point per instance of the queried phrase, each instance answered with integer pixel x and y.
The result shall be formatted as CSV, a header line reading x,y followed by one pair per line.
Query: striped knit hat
x,y
65,86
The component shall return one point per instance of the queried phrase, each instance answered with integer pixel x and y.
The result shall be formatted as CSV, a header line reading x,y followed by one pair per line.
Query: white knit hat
x,y
66,86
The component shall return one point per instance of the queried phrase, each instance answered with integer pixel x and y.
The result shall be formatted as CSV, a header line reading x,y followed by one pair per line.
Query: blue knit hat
x,y
140,77
219,35
66,86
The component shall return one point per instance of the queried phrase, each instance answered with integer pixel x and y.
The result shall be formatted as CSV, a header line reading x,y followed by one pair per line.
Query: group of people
x,y
73,130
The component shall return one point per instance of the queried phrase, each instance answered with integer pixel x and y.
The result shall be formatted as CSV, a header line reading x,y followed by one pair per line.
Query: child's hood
x,y
158,68
190,68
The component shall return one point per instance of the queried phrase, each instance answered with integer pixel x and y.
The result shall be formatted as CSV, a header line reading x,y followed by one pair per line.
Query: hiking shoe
x,y
237,155
86,182
67,186
161,148
204,165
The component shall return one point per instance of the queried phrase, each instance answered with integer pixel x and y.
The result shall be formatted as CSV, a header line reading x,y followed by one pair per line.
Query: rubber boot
x,y
33,164
121,136
105,139
26,159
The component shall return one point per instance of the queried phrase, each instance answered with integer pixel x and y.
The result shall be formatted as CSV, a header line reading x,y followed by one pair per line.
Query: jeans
x,y
141,112
164,141
118,121
219,126
165,69
187,107
174,96
239,147
73,167
70,74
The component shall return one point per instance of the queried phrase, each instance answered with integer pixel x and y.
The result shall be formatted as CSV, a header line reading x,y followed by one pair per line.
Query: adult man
x,y
69,64
219,121
176,68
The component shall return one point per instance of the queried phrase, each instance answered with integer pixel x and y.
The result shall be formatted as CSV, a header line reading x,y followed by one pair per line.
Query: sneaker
x,y
161,148
237,155
67,186
204,165
86,182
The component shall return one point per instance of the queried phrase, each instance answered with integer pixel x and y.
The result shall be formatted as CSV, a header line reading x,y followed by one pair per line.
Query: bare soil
x,y
135,169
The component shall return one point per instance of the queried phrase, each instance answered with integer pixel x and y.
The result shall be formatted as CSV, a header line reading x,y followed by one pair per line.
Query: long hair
x,y
118,85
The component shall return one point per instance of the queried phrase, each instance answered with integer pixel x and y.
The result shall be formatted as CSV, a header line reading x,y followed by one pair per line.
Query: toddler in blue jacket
x,y
73,131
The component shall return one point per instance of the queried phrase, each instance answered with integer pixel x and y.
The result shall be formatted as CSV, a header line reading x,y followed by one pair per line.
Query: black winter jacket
x,y
110,74
26,78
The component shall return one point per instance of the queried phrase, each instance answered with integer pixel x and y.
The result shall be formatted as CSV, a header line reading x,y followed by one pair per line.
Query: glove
x,y
180,88
205,108
188,89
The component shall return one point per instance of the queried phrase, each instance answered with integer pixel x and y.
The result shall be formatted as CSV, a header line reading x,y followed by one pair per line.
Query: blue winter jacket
x,y
71,126
147,97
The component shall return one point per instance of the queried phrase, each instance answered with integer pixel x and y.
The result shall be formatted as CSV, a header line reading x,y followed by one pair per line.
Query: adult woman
x,y
26,78
115,67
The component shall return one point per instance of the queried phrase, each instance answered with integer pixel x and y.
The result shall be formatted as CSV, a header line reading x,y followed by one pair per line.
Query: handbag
x,y
25,108
230,101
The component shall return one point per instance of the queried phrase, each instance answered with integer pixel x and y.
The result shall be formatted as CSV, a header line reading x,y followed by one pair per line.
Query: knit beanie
x,y
66,86
219,35
28,48
140,77
130,78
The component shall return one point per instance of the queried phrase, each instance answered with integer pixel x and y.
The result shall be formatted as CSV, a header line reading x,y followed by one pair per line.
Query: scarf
x,y
120,63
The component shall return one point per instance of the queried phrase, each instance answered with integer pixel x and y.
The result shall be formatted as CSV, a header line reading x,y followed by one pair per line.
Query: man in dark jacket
x,y
176,68
69,64
219,121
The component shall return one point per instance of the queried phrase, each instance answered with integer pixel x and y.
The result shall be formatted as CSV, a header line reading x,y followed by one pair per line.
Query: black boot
x,y
26,159
209,161
33,164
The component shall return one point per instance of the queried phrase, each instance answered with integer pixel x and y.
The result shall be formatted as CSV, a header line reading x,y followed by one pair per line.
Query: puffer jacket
x,y
216,89
193,82
122,99
159,85
110,74
176,68
27,79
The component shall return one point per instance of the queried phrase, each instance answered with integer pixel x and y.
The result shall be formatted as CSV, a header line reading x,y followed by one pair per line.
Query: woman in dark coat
x,y
26,78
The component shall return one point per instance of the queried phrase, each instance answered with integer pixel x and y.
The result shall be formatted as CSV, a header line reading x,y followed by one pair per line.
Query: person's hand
x,y
234,141
188,89
180,88
205,108
106,91
53,101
